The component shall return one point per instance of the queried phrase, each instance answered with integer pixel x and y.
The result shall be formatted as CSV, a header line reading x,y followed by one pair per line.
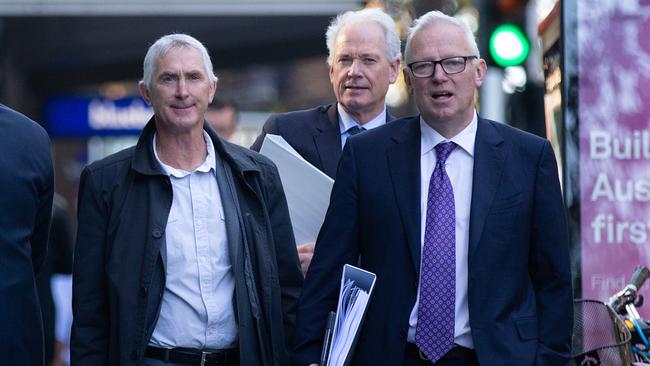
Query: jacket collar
x,y
328,120
331,120
327,139
489,158
144,160
404,167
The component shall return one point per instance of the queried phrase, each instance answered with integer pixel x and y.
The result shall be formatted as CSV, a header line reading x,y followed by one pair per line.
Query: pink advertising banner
x,y
614,124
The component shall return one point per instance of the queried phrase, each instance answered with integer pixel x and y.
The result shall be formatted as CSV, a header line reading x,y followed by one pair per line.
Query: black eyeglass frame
x,y
435,63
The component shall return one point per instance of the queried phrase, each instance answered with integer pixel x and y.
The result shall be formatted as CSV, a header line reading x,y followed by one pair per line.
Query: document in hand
x,y
354,296
307,188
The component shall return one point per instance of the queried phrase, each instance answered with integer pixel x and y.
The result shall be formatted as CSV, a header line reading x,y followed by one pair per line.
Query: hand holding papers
x,y
356,287
307,189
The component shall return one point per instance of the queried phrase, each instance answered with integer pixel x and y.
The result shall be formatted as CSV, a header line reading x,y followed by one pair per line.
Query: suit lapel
x,y
489,156
328,140
404,167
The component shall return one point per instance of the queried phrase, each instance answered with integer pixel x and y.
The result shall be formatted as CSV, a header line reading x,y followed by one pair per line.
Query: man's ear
x,y
393,71
407,80
213,89
144,92
479,73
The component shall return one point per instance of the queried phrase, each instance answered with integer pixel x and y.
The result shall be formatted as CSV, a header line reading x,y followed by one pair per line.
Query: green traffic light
x,y
508,45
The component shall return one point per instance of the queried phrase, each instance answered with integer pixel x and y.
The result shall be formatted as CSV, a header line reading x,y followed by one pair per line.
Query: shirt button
x,y
402,334
143,291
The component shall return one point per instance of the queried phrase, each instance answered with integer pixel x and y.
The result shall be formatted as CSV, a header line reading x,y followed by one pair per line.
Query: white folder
x,y
307,189
354,297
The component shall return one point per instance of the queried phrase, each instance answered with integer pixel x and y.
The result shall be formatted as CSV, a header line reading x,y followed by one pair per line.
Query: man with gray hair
x,y
185,253
460,217
364,58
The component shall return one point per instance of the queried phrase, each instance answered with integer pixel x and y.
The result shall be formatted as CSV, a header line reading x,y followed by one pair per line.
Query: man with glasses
x,y
364,58
460,217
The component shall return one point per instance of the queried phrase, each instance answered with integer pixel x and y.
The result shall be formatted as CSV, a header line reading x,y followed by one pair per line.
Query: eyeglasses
x,y
450,65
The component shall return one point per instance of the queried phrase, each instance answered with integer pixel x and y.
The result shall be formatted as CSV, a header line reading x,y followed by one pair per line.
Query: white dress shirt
x,y
459,167
346,122
197,305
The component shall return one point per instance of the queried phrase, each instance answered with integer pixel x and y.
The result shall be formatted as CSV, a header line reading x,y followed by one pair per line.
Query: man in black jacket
x,y
27,182
185,252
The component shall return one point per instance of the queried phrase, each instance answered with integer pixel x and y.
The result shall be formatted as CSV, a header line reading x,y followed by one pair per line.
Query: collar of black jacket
x,y
144,160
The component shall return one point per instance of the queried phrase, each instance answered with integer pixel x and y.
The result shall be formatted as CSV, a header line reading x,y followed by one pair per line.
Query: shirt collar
x,y
346,121
465,138
208,164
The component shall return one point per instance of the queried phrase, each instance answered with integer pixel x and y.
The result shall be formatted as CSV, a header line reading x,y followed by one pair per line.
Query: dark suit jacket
x,y
313,133
27,182
119,274
520,298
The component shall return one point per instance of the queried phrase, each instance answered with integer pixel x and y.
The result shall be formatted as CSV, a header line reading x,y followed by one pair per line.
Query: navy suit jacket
x,y
25,211
313,133
519,292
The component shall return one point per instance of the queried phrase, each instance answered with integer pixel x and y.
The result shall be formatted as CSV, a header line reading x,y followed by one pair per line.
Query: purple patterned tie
x,y
434,333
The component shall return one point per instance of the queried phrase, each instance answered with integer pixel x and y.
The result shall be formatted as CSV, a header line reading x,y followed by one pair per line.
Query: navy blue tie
x,y
354,130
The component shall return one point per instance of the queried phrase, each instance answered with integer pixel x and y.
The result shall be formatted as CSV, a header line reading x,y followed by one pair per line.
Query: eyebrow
x,y
187,72
352,54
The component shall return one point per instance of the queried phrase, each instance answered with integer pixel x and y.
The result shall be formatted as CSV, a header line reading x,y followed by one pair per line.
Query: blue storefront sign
x,y
69,116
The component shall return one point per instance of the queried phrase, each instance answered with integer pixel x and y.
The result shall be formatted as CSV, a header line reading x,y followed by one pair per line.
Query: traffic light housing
x,y
503,39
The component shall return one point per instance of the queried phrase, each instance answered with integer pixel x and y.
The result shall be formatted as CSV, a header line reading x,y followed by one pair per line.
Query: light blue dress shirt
x,y
346,122
197,306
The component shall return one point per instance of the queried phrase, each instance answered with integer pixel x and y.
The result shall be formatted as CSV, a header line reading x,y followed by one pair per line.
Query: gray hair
x,y
166,43
391,38
434,17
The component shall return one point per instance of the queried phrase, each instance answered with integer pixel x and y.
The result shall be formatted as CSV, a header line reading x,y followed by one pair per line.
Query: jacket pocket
x,y
527,328
506,204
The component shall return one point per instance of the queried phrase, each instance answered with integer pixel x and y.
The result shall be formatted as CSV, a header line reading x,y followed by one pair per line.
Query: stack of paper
x,y
307,188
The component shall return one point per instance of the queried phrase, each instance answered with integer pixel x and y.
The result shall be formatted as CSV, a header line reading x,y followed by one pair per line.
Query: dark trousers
x,y
457,356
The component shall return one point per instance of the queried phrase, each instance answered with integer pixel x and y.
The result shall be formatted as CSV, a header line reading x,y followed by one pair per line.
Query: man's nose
x,y
181,88
355,68
438,72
